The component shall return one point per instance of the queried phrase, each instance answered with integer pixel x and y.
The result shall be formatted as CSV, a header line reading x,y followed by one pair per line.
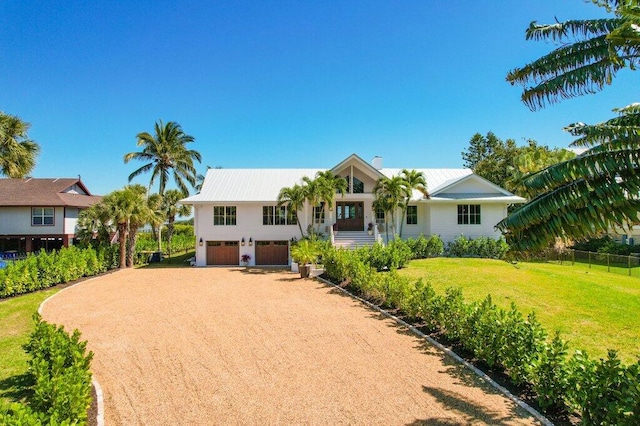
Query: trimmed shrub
x,y
484,247
59,364
44,270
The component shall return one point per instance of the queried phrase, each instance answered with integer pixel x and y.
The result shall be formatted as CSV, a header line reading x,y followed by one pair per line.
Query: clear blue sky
x,y
279,83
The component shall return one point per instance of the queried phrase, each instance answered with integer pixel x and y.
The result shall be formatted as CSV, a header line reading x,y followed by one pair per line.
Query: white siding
x,y
444,221
248,225
71,220
17,221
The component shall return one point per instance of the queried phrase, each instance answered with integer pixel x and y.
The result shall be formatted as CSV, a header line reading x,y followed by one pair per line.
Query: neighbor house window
x,y
274,215
468,214
224,215
319,213
412,215
42,216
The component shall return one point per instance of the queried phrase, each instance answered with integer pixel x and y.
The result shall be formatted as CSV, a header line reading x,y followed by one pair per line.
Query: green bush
x,y
422,247
43,270
484,247
604,392
59,365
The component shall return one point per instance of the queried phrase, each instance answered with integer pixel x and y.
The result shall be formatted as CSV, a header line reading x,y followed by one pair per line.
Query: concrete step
x,y
353,239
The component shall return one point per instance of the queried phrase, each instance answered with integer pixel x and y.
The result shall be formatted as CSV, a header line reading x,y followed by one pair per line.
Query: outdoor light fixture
x,y
200,243
250,241
242,242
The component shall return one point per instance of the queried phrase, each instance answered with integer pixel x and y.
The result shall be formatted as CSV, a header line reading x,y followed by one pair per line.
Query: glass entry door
x,y
350,216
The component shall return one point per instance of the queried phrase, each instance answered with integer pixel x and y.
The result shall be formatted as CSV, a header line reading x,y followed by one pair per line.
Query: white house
x,y
236,211
41,213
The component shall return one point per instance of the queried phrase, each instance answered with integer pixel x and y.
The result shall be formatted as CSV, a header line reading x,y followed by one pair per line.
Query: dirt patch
x,y
236,346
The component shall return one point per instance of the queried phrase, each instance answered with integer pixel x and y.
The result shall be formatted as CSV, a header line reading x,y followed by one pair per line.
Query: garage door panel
x,y
223,253
272,252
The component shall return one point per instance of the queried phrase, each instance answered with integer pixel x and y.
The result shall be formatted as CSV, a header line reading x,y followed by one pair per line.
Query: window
x,y
469,214
319,213
379,215
274,215
412,215
224,215
358,185
42,216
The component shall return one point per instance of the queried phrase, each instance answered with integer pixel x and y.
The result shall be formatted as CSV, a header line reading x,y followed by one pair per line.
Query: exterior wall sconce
x,y
250,241
200,242
242,241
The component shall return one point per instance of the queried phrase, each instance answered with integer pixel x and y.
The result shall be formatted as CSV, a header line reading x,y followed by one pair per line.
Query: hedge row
x,y
43,270
59,365
603,391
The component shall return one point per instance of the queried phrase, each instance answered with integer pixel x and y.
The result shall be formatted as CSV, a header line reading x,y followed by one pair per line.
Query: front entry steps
x,y
353,239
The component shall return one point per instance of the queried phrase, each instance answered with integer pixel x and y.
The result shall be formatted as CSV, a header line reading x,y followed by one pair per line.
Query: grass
x,y
593,309
16,319
175,261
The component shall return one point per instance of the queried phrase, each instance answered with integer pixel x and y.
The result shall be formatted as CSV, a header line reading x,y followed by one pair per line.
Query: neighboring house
x,y
40,213
236,211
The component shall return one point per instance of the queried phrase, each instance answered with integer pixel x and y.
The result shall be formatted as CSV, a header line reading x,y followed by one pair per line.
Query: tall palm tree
x,y
389,196
119,206
586,195
328,185
17,152
293,198
172,209
94,225
413,180
166,153
312,195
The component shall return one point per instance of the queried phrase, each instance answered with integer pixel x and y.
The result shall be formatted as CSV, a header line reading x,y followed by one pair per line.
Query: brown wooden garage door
x,y
272,252
223,253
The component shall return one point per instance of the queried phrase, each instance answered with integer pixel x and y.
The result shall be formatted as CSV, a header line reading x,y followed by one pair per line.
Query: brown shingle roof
x,y
44,193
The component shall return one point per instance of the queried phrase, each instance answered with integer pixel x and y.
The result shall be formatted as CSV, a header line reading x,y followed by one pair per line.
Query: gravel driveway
x,y
230,346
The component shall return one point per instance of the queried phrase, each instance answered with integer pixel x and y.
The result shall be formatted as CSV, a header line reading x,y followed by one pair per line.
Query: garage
x,y
272,252
223,253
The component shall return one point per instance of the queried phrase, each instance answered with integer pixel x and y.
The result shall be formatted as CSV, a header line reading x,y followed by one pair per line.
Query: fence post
x,y
608,262
573,257
629,260
589,260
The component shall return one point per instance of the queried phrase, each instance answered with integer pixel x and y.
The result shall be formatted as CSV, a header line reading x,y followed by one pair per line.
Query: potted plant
x,y
370,228
245,258
304,254
335,229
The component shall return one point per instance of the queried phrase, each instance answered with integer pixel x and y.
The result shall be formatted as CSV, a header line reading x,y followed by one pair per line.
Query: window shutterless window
x,y
42,216
224,215
379,216
412,215
274,215
469,214
319,213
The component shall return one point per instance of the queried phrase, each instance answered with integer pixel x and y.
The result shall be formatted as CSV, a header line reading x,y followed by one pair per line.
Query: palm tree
x,y
172,209
328,185
588,194
166,152
312,195
94,225
389,196
142,213
293,198
119,206
413,180
17,152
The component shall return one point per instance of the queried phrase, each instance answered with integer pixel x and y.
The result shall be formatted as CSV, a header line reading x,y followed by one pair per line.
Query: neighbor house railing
x,y
628,265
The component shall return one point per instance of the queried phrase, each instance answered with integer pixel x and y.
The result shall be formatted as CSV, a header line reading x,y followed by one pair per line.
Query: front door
x,y
350,216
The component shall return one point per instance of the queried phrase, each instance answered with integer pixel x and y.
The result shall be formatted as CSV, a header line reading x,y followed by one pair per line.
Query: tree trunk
x,y
170,233
133,237
122,240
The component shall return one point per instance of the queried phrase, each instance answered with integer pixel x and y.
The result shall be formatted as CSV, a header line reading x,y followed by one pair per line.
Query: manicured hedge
x,y
603,391
43,270
59,365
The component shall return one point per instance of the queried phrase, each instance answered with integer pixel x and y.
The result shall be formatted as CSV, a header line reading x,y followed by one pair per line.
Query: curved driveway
x,y
227,346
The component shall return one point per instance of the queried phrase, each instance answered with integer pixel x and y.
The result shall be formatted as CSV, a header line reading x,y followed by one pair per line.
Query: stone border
x,y
96,386
449,352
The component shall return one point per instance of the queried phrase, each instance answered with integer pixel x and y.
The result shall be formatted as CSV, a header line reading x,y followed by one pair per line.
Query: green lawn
x,y
15,326
593,309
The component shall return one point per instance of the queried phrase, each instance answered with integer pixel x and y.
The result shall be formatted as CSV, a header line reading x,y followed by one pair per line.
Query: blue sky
x,y
279,83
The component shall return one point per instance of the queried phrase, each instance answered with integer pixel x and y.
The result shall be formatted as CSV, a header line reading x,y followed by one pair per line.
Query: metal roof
x,y
263,185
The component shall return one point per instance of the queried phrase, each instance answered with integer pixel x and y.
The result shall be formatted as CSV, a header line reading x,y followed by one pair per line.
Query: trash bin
x,y
156,256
